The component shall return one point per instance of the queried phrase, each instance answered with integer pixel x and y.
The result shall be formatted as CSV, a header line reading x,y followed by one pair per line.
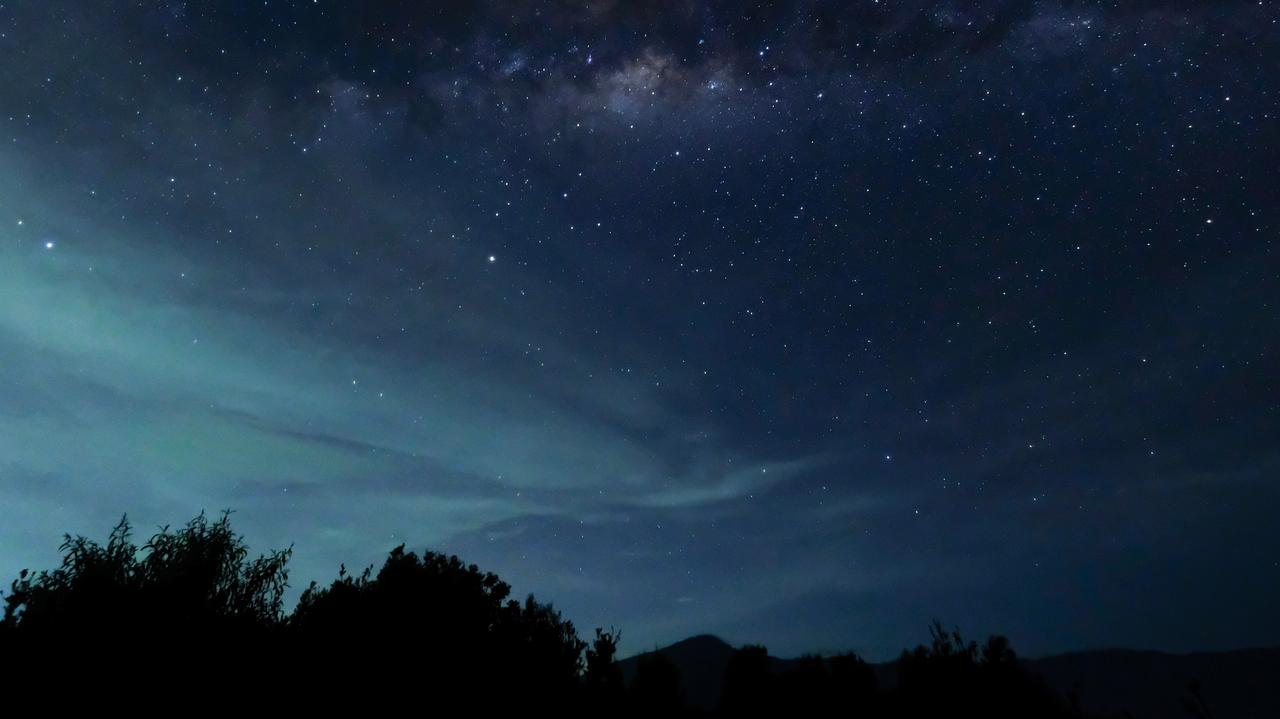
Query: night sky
x,y
802,323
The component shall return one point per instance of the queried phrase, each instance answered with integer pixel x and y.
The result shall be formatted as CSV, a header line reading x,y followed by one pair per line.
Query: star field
x,y
802,322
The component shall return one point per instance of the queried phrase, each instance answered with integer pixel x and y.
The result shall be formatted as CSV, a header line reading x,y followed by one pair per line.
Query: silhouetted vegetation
x,y
952,672
656,689
748,683
189,614
197,578
602,679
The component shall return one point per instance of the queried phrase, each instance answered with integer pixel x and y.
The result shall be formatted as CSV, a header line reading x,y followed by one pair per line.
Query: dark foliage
x,y
656,689
748,683
198,579
988,682
189,614
853,683
433,618
602,679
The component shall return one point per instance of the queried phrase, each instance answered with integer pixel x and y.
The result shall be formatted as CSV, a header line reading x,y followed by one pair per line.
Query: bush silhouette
x,y
953,674
656,690
748,682
808,687
602,678
433,619
195,580
853,684
189,612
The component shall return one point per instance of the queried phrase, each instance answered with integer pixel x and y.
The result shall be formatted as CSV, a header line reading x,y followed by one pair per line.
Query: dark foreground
x,y
188,623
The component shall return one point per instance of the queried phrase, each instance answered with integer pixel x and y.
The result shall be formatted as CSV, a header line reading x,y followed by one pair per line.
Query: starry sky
x,y
802,323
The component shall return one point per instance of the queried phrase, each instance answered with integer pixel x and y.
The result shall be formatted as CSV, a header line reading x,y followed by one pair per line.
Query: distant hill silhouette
x,y
1240,684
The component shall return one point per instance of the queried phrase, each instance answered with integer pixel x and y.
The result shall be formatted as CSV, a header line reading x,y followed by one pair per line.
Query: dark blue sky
x,y
802,323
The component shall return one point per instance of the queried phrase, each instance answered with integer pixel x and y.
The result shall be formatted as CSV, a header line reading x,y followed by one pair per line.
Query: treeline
x,y
948,677
189,622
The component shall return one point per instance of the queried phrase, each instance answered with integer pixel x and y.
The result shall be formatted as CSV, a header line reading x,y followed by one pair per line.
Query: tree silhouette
x,y
185,612
193,580
656,689
433,618
807,687
853,684
748,683
952,674
602,678
189,614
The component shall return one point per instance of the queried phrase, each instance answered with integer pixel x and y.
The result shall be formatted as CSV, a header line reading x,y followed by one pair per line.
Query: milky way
x,y
802,323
